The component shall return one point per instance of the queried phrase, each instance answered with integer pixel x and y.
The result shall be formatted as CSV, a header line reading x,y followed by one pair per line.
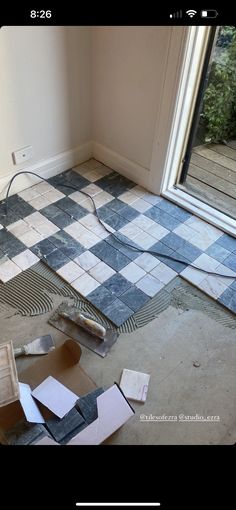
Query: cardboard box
x,y
63,364
113,409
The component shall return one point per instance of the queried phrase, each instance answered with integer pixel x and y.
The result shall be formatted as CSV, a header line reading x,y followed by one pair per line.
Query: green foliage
x,y
219,104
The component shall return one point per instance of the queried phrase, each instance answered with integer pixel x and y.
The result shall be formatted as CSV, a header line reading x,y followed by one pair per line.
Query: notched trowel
x,y
85,330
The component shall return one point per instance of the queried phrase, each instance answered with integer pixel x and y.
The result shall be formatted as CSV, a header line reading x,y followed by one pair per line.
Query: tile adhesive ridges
x,y
178,293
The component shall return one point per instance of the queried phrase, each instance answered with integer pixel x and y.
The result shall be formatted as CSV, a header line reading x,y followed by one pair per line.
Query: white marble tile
x,y
78,197
88,204
54,195
88,239
212,286
145,240
70,271
39,202
202,240
130,230
207,263
147,262
141,205
87,260
18,228
193,275
85,284
93,175
92,189
75,229
184,231
139,191
158,232
31,237
221,269
34,219
1,226
132,272
202,227
92,164
47,228
101,272
8,270
152,199
89,221
100,232
144,223
81,170
149,285
128,197
163,273
102,199
43,187
29,193
25,259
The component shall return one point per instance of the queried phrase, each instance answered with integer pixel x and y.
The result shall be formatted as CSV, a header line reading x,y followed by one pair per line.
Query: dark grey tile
x,y
60,218
9,218
173,210
32,435
217,252
116,221
173,241
115,184
10,245
124,245
188,251
134,298
110,255
56,259
129,213
162,218
69,246
118,312
233,286
231,261
101,297
20,206
87,405
75,179
43,248
68,182
228,242
116,205
60,428
104,212
117,284
162,251
175,264
228,298
68,205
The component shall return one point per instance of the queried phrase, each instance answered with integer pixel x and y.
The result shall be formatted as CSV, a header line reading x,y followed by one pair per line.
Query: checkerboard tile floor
x,y
53,222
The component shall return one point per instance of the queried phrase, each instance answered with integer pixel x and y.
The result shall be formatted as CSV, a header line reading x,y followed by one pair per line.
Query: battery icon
x,y
209,13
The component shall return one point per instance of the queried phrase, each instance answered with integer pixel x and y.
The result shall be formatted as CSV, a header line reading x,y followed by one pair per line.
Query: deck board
x,y
212,177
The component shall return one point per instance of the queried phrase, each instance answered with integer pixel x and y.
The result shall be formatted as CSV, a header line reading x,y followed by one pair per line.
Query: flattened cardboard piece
x,y
55,396
134,384
113,412
61,363
9,387
30,408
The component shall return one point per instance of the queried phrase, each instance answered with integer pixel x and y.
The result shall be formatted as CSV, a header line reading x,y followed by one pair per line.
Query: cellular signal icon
x,y
177,14
191,13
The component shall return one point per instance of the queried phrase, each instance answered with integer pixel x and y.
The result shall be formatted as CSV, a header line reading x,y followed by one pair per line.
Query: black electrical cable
x,y
140,250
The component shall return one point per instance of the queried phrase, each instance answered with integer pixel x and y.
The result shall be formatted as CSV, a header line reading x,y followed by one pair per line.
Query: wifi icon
x,y
191,13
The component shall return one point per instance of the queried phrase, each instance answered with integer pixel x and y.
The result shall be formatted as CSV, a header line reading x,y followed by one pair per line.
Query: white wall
x,y
128,73
45,93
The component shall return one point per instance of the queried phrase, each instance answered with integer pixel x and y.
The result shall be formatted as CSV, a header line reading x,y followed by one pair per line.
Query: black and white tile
x,y
55,221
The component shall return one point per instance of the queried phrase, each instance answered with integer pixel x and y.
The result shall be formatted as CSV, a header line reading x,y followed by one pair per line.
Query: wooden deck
x,y
212,177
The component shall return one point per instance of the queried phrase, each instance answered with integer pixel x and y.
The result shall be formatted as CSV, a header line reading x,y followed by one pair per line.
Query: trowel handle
x,y
88,324
19,351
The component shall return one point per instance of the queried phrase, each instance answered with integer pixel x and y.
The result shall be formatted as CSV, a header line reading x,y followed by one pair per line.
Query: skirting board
x,y
122,165
47,168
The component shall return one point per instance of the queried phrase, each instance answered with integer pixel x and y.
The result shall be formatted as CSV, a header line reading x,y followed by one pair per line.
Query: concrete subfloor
x,y
166,349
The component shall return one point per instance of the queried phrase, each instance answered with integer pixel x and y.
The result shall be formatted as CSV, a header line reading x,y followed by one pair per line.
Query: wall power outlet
x,y
22,155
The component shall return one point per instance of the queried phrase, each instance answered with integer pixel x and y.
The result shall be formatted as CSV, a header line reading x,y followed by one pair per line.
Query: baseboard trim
x,y
47,168
124,166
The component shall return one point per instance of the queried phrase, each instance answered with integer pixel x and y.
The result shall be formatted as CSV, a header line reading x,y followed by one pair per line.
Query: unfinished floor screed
x,y
53,222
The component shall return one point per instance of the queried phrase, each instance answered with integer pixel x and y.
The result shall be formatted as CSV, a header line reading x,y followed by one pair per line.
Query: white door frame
x,y
191,45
